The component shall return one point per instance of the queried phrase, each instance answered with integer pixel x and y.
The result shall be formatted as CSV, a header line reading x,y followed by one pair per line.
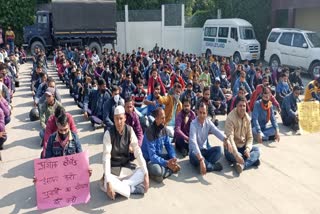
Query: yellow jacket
x,y
239,131
311,87
168,101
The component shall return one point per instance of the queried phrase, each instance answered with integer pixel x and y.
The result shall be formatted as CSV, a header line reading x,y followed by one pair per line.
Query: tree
x,y
17,14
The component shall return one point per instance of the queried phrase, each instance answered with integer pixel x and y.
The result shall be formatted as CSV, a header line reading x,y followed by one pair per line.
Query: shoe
x,y
156,178
257,163
271,138
217,166
238,167
184,153
167,173
298,132
1,147
139,189
216,122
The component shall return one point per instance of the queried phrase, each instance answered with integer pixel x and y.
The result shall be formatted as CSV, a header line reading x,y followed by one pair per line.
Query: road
x,y
287,180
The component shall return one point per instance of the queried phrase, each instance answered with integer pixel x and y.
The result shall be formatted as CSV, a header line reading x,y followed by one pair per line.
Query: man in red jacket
x,y
257,94
153,79
52,126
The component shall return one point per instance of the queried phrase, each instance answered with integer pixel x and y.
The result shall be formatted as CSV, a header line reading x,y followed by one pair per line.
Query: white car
x,y
294,48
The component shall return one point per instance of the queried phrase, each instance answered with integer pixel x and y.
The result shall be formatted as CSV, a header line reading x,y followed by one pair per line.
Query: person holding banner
x,y
120,174
64,141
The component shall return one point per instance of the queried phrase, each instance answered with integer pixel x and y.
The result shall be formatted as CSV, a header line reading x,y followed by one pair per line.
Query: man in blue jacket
x,y
262,114
160,165
289,109
110,105
94,103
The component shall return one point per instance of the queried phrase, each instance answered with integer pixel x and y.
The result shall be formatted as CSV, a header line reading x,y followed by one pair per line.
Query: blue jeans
x,y
266,132
142,111
158,172
210,155
254,156
11,46
181,144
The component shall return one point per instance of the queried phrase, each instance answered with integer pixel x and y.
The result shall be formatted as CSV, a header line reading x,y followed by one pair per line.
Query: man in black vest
x,y
120,175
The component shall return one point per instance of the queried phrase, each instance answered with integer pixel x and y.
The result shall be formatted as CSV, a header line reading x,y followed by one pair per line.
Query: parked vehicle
x,y
76,23
294,48
230,37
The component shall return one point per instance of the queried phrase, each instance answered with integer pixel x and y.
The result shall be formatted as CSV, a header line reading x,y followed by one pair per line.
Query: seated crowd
x,y
151,104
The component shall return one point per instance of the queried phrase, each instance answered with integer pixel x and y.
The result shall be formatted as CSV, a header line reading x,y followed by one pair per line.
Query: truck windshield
x,y
247,33
314,39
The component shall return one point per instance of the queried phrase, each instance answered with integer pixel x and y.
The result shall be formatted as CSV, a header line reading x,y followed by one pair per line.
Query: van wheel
x,y
314,70
237,58
208,53
95,46
274,62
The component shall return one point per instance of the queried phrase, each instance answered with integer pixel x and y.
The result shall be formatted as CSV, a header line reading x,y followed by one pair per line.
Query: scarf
x,y
267,108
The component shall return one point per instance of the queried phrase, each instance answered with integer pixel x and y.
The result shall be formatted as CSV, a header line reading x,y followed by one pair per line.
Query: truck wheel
x,y
237,58
314,70
208,53
37,44
274,62
95,46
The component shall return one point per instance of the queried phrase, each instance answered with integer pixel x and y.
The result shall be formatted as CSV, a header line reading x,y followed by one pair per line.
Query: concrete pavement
x,y
286,182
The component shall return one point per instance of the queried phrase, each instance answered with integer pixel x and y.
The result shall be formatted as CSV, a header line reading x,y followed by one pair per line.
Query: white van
x,y
230,37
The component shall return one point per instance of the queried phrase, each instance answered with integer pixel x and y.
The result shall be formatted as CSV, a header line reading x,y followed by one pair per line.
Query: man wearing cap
x,y
47,109
218,98
190,94
312,91
120,175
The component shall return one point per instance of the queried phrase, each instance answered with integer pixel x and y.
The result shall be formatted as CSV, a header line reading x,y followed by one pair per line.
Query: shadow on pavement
x,y
24,198
31,143
25,170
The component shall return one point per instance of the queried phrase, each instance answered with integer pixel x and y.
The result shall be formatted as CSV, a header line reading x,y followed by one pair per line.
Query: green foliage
x,y
17,14
199,18
257,12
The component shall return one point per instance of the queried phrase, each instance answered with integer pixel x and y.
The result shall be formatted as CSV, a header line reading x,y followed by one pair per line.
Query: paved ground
x,y
286,182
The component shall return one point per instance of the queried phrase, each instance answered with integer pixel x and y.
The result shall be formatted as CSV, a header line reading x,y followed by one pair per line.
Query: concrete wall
x,y
132,35
147,34
308,18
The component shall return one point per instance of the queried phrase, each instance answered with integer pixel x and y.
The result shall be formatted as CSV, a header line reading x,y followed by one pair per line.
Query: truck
x,y
75,23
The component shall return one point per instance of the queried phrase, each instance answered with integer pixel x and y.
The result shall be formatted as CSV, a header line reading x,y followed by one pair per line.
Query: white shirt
x,y
106,156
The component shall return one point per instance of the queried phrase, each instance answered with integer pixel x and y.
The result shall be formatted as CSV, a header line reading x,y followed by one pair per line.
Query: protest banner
x,y
309,116
62,181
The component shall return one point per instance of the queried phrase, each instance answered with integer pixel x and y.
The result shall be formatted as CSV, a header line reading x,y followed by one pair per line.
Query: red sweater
x,y
51,128
151,83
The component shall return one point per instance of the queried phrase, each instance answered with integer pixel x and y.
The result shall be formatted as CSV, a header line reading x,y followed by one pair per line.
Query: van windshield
x,y
247,33
314,39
